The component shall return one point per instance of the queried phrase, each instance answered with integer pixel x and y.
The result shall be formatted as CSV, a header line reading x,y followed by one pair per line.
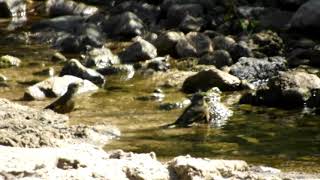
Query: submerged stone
x,y
8,61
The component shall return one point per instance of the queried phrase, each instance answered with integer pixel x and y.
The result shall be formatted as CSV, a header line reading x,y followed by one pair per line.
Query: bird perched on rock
x,y
65,103
197,111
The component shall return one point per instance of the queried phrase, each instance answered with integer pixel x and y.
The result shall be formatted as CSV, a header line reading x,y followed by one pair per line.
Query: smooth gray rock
x,y
147,12
307,16
56,87
177,12
126,24
167,41
3,78
207,79
223,42
8,61
100,58
190,23
75,68
218,58
63,7
194,45
140,50
125,71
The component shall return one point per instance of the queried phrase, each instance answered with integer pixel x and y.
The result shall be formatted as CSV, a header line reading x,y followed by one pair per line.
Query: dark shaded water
x,y
285,139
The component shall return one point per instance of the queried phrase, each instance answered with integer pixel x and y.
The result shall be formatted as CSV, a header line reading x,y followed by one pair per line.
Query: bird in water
x,y
65,103
197,111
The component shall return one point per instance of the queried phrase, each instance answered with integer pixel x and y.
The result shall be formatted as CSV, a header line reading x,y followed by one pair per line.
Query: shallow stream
x,y
289,140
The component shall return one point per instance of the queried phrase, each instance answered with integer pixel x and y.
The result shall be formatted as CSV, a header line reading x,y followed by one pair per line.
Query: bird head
x,y
73,87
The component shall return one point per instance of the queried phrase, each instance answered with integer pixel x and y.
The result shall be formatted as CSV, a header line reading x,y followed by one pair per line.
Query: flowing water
x,y
287,139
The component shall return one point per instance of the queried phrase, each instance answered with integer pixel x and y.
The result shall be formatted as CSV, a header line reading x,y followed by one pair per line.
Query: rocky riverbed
x,y
233,79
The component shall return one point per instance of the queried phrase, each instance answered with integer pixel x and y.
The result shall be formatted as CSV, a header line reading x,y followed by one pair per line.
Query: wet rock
x,y
194,45
156,95
125,71
239,50
156,64
126,24
13,8
174,78
75,68
306,17
177,12
269,43
100,58
175,105
205,107
58,57
56,87
84,37
70,34
223,42
140,50
63,23
190,23
166,42
253,69
8,61
148,13
186,167
289,89
22,126
62,8
3,78
218,58
46,72
206,79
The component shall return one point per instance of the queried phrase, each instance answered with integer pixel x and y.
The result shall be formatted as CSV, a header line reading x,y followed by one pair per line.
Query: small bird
x,y
197,111
65,103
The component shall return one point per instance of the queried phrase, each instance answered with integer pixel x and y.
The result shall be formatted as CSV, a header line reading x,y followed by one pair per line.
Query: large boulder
x,y
253,69
63,7
56,86
75,68
126,24
307,16
207,79
289,89
194,45
140,50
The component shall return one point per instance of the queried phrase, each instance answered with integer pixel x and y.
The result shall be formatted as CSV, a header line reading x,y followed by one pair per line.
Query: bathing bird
x,y
65,103
197,111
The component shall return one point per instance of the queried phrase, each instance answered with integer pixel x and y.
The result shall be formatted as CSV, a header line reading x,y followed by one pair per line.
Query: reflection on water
x,y
285,139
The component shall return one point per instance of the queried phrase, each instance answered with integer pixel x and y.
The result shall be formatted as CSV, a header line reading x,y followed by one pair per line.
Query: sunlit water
x,y
285,139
